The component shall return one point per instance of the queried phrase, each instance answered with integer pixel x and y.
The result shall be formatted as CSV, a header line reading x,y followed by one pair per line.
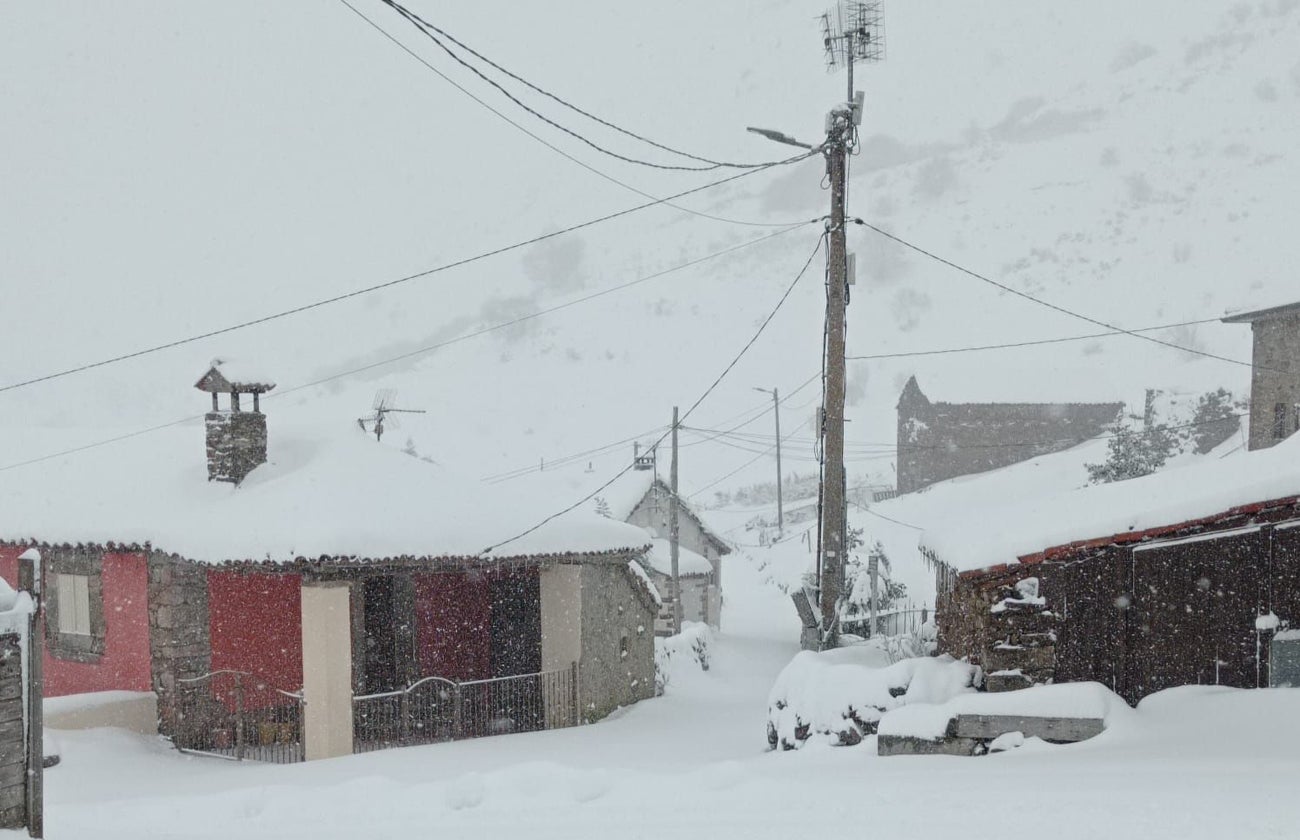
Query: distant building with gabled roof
x,y
938,440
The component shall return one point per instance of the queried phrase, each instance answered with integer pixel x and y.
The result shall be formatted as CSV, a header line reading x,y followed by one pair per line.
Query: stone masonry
x,y
938,441
618,660
236,444
1021,649
179,640
1275,379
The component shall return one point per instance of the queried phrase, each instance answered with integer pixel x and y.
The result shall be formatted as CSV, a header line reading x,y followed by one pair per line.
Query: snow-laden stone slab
x,y
1059,713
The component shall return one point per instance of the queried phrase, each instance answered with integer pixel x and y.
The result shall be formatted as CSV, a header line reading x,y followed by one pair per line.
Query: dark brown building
x,y
1139,611
1275,377
938,440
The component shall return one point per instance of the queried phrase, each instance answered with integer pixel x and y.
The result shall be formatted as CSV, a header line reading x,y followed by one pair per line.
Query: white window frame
x,y
73,594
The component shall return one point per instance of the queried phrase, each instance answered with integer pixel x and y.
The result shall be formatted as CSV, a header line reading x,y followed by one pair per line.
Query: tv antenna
x,y
384,405
852,31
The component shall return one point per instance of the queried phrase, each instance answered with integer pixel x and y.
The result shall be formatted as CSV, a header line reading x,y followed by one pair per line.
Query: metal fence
x,y
436,709
236,715
892,623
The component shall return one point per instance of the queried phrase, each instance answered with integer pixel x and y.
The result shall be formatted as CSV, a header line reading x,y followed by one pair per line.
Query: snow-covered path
x,y
1191,763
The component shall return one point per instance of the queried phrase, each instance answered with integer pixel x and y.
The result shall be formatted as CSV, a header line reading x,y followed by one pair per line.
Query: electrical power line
x,y
1029,343
370,289
763,411
565,460
886,518
707,391
422,350
1064,311
599,173
548,94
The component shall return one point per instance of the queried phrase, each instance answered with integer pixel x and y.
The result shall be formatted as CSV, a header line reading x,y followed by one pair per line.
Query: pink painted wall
x,y
125,663
255,621
453,620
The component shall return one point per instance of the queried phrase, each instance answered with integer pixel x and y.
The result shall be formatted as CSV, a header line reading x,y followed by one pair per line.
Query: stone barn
x,y
940,440
1176,578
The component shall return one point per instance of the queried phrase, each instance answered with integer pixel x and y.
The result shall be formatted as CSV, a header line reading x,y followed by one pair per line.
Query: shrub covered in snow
x,y
838,696
687,649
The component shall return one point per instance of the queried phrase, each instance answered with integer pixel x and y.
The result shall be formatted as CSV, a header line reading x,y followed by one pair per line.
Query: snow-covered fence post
x,y
29,571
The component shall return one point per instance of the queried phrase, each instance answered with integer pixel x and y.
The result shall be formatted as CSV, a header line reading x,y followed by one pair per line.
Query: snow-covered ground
x,y
1192,763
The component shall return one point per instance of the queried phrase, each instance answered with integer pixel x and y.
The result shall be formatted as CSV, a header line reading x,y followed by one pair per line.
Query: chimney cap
x,y
225,377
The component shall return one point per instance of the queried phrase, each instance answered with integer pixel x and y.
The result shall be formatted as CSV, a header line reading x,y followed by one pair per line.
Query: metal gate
x,y
437,709
236,715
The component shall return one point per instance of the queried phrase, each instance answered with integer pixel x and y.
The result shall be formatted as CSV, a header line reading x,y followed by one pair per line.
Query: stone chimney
x,y
236,437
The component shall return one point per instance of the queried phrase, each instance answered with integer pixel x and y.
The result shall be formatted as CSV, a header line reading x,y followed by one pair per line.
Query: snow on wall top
x,y
659,558
979,538
324,491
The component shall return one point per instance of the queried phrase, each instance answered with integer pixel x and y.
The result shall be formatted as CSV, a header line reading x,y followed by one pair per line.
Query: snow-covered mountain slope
x,y
174,169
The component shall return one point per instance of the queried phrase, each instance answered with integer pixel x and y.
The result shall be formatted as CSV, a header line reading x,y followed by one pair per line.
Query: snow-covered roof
x,y
981,538
237,374
620,497
1264,303
659,559
326,491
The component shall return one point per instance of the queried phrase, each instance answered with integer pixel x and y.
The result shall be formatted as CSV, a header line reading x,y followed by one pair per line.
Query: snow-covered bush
x,y
687,649
1133,452
838,696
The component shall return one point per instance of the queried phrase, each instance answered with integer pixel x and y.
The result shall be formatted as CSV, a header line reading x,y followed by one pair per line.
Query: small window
x,y
73,603
1279,421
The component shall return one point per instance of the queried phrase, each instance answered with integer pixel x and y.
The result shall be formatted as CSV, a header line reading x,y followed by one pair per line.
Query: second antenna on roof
x,y
385,404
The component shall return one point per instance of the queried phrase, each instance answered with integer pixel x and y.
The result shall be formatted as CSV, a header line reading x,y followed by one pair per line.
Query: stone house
x,y
642,499
1176,578
1275,375
939,440
313,568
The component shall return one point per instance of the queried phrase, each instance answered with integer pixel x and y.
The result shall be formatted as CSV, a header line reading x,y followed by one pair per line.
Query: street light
x,y
780,137
780,510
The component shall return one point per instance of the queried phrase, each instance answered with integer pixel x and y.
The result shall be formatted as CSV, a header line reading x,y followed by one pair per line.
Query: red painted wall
x,y
453,625
256,626
125,663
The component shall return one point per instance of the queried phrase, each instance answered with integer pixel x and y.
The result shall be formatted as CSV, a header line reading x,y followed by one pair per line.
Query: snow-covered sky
x,y
169,169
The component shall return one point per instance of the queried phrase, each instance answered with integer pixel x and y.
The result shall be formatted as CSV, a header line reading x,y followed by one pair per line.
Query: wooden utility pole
x,y
29,573
833,511
674,535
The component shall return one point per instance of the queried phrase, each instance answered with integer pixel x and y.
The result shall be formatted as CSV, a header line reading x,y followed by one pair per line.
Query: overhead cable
x,y
1055,307
548,144
296,310
429,30
707,391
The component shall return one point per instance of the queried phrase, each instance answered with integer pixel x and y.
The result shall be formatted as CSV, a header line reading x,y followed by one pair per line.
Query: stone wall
x,y
1275,381
179,634
938,441
990,624
236,444
13,748
618,653
695,596
88,562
